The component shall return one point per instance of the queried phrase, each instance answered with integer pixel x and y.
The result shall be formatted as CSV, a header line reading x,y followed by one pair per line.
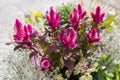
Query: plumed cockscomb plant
x,y
66,44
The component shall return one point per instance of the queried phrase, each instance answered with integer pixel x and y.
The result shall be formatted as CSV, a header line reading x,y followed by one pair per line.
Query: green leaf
x,y
109,29
86,77
117,73
109,23
107,69
109,20
55,59
106,63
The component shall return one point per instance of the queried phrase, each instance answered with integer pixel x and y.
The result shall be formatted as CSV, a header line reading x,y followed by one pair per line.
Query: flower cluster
x,y
68,38
65,40
24,33
53,19
93,36
62,45
98,16
76,17
45,64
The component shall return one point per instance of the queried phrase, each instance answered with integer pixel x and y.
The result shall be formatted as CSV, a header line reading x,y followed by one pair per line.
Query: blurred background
x,y
15,66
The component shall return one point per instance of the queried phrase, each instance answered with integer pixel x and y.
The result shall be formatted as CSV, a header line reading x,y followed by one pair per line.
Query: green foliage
x,y
109,23
107,69
64,11
55,59
86,77
117,74
106,62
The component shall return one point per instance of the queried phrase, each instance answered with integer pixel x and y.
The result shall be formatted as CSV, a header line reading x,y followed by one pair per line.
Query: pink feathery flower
x,y
53,19
93,36
68,38
45,64
98,15
19,31
23,33
76,17
28,32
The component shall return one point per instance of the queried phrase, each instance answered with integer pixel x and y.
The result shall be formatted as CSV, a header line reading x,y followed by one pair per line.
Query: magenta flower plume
x,y
28,32
19,31
98,15
68,38
93,36
45,64
76,17
23,33
53,19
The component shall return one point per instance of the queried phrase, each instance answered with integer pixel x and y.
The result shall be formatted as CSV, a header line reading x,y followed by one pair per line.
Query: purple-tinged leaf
x,y
84,67
62,27
9,43
103,27
35,48
34,35
42,38
69,64
76,52
33,59
17,47
50,49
